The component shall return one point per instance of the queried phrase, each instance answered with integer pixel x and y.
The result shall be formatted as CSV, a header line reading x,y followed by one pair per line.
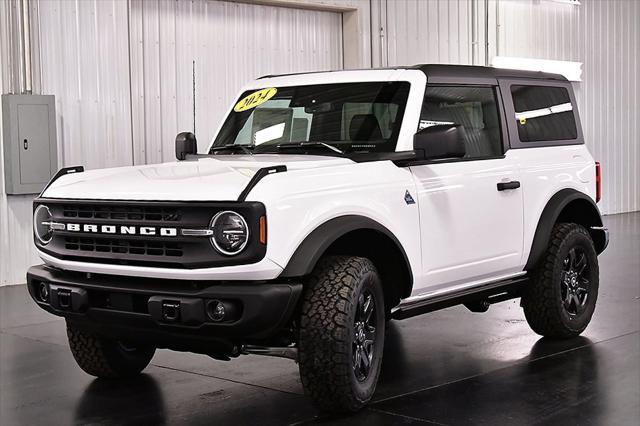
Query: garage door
x,y
226,44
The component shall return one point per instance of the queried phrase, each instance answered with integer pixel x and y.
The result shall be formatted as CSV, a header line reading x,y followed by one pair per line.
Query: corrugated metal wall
x,y
435,31
605,37
231,43
122,95
120,103
602,34
16,249
84,62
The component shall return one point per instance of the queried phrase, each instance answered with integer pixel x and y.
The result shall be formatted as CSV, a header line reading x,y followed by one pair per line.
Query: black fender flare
x,y
308,253
550,215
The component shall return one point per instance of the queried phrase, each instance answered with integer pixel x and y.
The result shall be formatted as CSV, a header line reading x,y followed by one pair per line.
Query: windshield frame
x,y
403,142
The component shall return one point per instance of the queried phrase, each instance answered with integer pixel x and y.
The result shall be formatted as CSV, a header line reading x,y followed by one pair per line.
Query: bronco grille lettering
x,y
121,229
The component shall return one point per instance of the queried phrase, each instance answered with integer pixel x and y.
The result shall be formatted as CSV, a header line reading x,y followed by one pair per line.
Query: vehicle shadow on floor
x,y
135,401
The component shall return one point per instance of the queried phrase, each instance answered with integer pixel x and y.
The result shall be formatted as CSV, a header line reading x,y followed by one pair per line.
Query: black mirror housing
x,y
186,144
439,142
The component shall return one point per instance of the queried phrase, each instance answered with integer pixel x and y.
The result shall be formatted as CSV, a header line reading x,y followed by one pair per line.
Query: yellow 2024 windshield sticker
x,y
255,99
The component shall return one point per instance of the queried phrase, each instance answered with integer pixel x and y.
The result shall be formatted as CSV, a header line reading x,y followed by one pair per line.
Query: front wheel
x,y
560,300
342,333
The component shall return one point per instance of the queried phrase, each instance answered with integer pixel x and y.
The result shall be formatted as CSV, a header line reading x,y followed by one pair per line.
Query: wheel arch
x,y
567,205
359,236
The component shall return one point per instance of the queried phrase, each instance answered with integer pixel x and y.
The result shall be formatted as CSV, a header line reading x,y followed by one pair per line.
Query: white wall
x,y
231,43
603,35
16,248
121,73
121,70
85,63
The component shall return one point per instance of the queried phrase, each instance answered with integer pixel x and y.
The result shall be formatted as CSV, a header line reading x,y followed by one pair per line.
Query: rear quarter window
x,y
543,113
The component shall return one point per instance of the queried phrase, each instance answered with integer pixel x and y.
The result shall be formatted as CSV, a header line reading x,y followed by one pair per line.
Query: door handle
x,y
25,144
503,186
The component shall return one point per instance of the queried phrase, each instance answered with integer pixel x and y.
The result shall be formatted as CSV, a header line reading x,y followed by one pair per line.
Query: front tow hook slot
x,y
177,310
64,298
170,311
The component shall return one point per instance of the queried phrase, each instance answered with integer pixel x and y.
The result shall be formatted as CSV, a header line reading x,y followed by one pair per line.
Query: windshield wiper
x,y
310,144
232,147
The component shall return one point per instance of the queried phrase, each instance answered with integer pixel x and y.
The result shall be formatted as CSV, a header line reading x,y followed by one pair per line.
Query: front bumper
x,y
265,269
174,314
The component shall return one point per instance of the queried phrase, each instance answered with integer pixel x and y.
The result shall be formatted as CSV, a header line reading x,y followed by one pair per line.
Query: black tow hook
x,y
170,311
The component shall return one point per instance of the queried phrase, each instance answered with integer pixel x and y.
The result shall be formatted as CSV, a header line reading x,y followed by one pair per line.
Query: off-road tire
x,y
328,333
542,298
106,358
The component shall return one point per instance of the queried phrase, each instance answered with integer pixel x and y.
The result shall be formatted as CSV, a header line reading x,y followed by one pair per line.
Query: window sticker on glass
x,y
428,123
553,109
254,99
268,134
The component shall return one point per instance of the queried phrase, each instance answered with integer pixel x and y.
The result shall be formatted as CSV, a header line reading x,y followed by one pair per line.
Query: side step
x,y
494,292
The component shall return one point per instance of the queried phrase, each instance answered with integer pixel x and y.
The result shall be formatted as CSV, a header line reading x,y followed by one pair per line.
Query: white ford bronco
x,y
328,204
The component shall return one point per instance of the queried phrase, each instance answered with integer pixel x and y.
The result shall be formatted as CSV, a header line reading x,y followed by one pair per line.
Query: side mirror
x,y
186,144
439,141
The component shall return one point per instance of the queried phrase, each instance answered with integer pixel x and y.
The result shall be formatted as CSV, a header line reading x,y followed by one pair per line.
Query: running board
x,y
290,352
494,292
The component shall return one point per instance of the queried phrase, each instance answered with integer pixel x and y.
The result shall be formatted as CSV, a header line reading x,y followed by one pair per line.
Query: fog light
x,y
216,310
43,292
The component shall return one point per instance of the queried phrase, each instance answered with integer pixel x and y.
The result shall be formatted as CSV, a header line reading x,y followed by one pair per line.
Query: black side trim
x,y
396,156
317,242
445,160
63,171
494,292
550,216
258,177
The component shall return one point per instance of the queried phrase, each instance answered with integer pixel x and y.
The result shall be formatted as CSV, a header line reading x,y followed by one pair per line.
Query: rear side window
x,y
474,109
543,113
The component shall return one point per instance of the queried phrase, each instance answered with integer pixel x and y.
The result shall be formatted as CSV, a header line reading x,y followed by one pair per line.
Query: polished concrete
x,y
450,367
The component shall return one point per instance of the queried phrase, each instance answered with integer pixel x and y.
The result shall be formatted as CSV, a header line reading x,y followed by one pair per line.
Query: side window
x,y
543,113
473,108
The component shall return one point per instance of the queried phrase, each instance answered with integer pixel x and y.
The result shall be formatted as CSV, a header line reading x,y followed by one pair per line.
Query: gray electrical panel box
x,y
29,138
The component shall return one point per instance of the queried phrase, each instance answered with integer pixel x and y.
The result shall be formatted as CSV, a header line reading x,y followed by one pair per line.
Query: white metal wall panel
x,y
231,43
433,31
16,248
85,63
604,35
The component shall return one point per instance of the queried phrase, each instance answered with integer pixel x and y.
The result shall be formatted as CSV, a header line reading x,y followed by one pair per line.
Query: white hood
x,y
204,179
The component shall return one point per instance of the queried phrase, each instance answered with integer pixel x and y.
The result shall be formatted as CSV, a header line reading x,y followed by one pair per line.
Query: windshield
x,y
352,117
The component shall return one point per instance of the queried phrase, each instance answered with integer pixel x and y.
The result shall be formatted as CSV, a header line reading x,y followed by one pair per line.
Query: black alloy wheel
x,y
364,339
575,282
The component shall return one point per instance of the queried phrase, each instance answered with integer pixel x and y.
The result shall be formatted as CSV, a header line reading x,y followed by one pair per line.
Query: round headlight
x,y
230,232
42,224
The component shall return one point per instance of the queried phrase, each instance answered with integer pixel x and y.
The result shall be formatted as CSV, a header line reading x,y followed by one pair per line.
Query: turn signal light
x,y
263,230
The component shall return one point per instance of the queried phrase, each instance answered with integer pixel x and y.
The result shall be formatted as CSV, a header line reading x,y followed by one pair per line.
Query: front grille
x,y
111,245
133,213
152,247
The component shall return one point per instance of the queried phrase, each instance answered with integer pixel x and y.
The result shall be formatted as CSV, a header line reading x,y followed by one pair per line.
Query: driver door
x,y
471,230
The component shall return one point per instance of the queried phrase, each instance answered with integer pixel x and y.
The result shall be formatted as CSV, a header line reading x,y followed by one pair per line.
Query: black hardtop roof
x,y
474,71
456,71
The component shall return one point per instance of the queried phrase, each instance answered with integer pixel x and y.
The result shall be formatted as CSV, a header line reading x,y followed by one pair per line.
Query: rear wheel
x,y
342,333
561,299
107,358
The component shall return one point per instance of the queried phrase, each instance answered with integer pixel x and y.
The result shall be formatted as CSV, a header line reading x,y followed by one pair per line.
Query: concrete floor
x,y
450,367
